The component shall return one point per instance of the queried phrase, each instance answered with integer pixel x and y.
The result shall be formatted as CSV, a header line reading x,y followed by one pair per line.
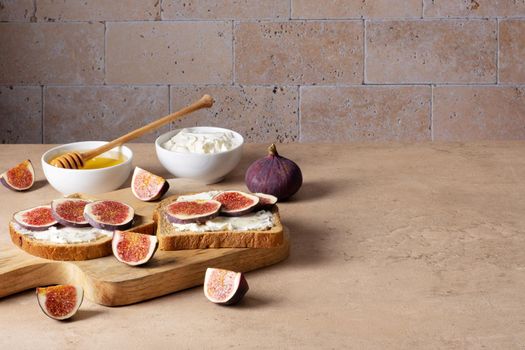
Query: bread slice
x,y
171,239
61,251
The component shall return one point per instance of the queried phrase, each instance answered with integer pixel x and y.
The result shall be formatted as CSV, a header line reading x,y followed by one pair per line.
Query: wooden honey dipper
x,y
76,160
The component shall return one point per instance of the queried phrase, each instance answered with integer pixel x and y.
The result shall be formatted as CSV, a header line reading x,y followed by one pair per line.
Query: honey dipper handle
x,y
206,101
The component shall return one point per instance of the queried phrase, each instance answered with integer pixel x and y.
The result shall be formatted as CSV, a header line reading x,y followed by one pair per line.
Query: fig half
x,y
35,219
60,302
109,215
70,211
236,203
192,211
147,186
224,286
133,248
20,177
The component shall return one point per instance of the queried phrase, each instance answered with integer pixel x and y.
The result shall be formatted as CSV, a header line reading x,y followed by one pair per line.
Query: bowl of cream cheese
x,y
203,153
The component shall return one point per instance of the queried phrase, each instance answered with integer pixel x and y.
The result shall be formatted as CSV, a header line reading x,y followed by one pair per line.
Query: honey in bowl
x,y
100,162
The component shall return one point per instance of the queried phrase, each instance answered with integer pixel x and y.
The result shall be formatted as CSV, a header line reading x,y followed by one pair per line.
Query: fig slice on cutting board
x,y
36,219
147,186
186,212
60,302
109,215
224,286
134,248
236,203
70,211
20,177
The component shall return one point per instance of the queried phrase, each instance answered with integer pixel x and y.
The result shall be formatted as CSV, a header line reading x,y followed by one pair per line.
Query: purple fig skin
x,y
43,308
266,201
275,175
65,222
242,211
239,294
160,192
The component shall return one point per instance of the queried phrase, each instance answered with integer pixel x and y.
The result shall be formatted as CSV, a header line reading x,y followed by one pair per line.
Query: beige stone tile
x,y
102,112
355,9
51,53
365,113
512,51
97,10
425,51
464,113
16,10
173,52
20,114
225,9
473,8
299,52
260,114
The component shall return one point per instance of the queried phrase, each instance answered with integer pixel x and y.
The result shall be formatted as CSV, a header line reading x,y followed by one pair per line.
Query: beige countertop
x,y
392,246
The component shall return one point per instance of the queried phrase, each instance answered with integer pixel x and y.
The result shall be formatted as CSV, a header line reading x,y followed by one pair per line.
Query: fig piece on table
x,y
70,211
60,302
236,203
224,287
20,177
275,175
133,248
186,212
36,219
109,215
147,186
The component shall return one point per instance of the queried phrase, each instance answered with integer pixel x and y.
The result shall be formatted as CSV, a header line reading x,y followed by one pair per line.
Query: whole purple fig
x,y
274,175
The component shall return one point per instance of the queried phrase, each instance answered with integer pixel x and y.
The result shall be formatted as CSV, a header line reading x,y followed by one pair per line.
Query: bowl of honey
x,y
103,173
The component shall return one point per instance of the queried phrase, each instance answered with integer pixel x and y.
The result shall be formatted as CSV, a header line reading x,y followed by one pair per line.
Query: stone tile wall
x,y
280,70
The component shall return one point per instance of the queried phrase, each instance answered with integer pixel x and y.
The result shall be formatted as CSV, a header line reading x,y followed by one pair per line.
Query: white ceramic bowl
x,y
206,168
90,181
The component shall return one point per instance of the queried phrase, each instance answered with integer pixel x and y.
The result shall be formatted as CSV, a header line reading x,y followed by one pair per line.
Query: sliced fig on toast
x,y
20,177
266,201
224,286
109,215
236,203
133,248
147,186
36,219
186,212
70,211
60,302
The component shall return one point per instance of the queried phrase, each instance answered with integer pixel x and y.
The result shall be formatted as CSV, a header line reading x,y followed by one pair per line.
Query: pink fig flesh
x,y
36,219
147,186
60,302
70,211
134,248
224,286
20,177
109,215
186,212
236,203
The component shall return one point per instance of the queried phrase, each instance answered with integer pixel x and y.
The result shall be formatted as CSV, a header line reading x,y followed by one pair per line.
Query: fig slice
x,y
266,201
60,302
20,177
36,219
224,286
109,215
186,212
236,203
70,211
133,248
147,186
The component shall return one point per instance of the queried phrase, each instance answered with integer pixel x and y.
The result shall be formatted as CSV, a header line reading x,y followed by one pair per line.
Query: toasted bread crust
x,y
53,251
169,239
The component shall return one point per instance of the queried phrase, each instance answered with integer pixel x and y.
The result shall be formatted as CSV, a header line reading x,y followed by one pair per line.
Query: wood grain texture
x,y
109,282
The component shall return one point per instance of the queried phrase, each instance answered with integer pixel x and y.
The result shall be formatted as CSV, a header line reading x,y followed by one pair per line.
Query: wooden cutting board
x,y
108,282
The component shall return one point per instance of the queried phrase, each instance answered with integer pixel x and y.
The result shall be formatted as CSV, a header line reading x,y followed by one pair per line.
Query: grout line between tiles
x,y
299,117
364,52
290,2
497,50
432,113
233,54
422,9
42,113
105,57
